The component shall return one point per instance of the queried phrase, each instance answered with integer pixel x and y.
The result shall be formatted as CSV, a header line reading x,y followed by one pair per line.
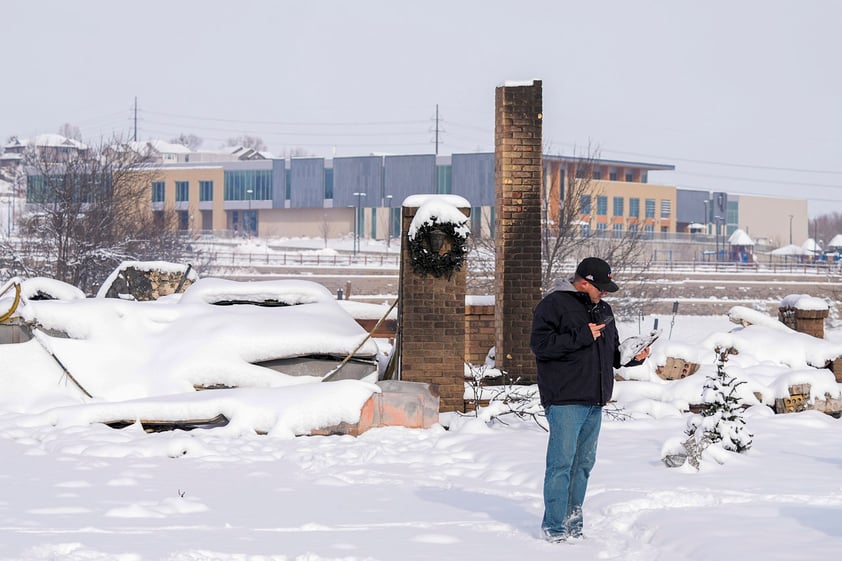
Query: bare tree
x,y
568,196
248,141
70,131
294,152
826,226
569,207
324,228
92,212
189,140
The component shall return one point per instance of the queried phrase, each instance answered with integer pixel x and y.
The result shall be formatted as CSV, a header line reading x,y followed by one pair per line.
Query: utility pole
x,y
437,129
135,118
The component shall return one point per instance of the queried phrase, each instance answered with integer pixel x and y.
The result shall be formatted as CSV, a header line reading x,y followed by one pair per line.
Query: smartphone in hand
x,y
606,321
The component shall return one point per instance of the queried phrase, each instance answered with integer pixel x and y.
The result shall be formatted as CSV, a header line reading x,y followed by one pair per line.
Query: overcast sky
x,y
741,96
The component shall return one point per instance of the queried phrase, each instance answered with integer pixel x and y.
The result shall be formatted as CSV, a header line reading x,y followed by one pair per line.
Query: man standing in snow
x,y
576,346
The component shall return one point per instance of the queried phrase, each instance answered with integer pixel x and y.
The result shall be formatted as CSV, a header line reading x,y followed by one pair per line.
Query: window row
x,y
616,231
590,172
619,206
239,186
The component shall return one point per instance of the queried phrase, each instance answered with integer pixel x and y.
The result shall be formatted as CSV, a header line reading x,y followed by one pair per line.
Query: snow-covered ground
x,y
77,490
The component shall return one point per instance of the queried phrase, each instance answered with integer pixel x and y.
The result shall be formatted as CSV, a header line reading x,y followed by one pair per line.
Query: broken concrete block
x,y
676,368
403,404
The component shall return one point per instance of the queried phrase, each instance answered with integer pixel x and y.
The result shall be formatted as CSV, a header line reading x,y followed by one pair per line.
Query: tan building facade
x,y
774,222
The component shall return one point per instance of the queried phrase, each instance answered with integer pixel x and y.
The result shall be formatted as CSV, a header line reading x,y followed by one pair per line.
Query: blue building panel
x,y
473,178
363,174
279,180
409,175
307,183
692,207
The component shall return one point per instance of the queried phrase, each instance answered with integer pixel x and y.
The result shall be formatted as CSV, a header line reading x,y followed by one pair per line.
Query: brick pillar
x,y
517,199
431,319
810,322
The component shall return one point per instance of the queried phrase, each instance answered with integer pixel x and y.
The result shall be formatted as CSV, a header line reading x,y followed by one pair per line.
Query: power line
x,y
295,133
288,123
754,180
727,164
163,133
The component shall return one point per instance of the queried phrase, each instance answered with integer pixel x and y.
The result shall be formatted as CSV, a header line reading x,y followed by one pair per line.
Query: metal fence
x,y
223,258
220,254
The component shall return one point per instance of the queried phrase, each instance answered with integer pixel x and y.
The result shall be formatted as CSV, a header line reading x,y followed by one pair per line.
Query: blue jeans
x,y
571,454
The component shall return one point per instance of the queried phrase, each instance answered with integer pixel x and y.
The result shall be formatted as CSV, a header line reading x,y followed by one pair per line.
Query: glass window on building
x,y
617,230
644,176
157,191
619,206
584,204
650,208
585,230
666,208
633,228
243,185
602,205
601,229
629,176
597,173
634,207
476,221
328,183
612,174
444,180
732,215
205,191
182,191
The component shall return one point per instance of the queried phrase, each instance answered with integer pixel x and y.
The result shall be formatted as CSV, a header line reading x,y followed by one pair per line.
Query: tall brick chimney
x,y
517,176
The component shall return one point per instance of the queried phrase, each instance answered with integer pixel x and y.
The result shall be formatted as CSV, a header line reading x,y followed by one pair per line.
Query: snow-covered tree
x,y
189,140
722,419
248,141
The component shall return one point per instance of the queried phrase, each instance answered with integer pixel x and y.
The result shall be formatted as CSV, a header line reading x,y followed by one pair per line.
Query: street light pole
x,y
790,228
716,220
357,222
389,221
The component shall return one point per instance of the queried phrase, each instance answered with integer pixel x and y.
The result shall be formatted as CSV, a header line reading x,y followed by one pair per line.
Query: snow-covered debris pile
x,y
120,350
766,356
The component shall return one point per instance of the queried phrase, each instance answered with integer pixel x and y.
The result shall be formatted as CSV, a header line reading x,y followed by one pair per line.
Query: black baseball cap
x,y
598,273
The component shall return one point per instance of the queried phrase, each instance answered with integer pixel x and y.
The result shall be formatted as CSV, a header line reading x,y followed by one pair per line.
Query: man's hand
x,y
642,355
596,330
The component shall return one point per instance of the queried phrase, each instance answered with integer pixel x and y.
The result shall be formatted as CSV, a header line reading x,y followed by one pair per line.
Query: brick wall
x,y
479,333
810,322
518,175
431,316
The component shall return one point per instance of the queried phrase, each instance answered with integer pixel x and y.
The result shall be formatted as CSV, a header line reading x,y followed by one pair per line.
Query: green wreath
x,y
425,261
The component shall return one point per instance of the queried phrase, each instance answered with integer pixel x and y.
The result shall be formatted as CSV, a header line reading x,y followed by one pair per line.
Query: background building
x,y
239,191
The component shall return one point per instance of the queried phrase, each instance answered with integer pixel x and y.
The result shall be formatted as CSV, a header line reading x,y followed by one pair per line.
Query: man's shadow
x,y
511,512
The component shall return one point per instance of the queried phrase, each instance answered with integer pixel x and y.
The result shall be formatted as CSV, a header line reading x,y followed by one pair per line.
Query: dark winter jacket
x,y
573,368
